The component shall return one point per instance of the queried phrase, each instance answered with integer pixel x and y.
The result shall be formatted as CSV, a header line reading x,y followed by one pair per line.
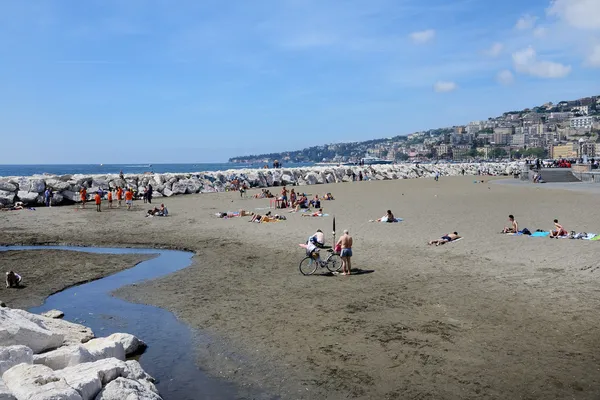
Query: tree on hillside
x,y
401,157
497,152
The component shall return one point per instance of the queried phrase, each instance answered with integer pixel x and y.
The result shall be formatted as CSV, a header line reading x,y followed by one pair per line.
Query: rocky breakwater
x,y
30,190
42,358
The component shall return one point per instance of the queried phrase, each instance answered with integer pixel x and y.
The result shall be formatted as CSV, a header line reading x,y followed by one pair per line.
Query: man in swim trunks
x,y
514,226
559,231
346,243
129,198
449,237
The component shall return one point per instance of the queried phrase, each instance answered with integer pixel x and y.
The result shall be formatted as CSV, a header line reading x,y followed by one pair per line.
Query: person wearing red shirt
x,y
98,202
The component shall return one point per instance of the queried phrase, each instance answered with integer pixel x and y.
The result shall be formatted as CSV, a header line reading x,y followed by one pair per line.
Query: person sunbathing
x,y
315,214
328,196
513,227
558,232
449,237
13,279
241,213
389,217
301,203
316,202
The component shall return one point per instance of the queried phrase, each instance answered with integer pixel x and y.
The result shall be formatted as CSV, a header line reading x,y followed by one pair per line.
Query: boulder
x,y
131,344
71,333
70,195
57,185
104,348
14,355
29,198
15,329
311,178
179,187
57,199
136,372
7,198
63,357
8,187
123,388
5,394
56,314
167,192
37,185
38,382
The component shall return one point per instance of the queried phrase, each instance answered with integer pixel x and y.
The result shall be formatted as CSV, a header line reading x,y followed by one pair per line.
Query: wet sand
x,y
46,272
491,316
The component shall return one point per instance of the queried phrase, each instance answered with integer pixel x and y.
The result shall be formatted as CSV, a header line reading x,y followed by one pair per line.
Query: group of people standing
x,y
119,193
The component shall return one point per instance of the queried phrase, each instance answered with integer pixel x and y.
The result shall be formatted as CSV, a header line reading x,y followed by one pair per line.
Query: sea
x,y
102,169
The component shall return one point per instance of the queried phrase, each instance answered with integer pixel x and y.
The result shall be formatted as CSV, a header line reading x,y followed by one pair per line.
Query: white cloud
x,y
540,32
505,77
582,14
443,87
593,59
495,50
526,22
422,36
526,62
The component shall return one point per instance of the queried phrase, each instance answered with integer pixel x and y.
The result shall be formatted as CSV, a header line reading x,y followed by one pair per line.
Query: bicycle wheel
x,y
308,266
334,263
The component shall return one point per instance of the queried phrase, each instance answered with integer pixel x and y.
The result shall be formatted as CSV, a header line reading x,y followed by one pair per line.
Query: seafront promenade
x,y
30,189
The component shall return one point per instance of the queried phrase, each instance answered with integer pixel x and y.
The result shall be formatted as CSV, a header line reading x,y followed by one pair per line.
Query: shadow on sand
x,y
355,271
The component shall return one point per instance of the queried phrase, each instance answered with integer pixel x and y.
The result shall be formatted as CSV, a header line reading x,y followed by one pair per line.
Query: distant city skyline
x,y
145,81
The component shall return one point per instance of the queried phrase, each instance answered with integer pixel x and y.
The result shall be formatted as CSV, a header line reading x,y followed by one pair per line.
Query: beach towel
x,y
455,240
540,234
595,238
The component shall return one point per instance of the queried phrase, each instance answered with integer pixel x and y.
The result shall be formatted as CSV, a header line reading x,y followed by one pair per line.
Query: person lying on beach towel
x,y
315,214
241,213
267,218
558,231
13,279
449,237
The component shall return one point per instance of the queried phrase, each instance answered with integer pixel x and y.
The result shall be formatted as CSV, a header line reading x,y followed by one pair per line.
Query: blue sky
x,y
114,81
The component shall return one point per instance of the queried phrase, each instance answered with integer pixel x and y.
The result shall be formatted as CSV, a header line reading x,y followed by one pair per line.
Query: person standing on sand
x,y
346,244
98,199
109,195
149,194
83,196
129,198
119,195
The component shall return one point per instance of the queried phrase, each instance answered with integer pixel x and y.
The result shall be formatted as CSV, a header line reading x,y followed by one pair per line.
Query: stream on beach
x,y
170,357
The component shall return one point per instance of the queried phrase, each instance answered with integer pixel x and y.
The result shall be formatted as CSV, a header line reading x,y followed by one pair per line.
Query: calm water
x,y
170,355
96,169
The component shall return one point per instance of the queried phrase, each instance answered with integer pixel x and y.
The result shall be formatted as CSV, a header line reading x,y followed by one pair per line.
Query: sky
x,y
162,81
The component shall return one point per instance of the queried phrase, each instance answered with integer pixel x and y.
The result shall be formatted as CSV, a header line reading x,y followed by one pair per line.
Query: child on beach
x,y
98,199
83,196
129,198
110,198
119,195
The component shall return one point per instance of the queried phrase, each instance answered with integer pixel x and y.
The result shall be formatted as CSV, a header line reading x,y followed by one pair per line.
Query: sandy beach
x,y
490,316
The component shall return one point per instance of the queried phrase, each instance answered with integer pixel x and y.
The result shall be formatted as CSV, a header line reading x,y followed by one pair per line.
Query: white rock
x,y
105,348
167,192
72,333
37,185
15,329
8,187
56,314
63,357
179,188
88,378
14,355
70,195
136,372
5,393
38,382
7,198
127,389
28,197
131,344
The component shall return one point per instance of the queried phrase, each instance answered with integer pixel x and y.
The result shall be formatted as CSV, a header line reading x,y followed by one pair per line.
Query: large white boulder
x,y
128,389
71,195
135,371
14,355
57,185
6,197
38,382
55,314
15,329
88,378
72,333
311,178
179,187
37,185
28,197
5,393
105,348
167,192
7,186
63,357
131,344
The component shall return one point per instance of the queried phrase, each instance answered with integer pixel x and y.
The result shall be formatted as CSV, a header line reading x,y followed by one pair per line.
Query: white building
x,y
582,122
584,110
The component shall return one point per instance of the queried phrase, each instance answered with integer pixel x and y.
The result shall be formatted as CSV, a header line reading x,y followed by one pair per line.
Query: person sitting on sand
x,y
513,227
449,237
162,211
388,217
316,202
559,231
328,196
301,203
13,279
315,214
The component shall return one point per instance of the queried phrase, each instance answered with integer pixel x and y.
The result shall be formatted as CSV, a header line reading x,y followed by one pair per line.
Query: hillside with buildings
x,y
568,129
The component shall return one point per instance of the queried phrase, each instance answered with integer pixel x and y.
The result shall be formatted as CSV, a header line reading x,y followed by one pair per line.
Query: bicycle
x,y
309,264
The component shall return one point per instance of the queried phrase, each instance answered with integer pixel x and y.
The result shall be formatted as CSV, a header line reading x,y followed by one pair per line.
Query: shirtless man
x,y
559,231
13,279
514,226
445,239
346,243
